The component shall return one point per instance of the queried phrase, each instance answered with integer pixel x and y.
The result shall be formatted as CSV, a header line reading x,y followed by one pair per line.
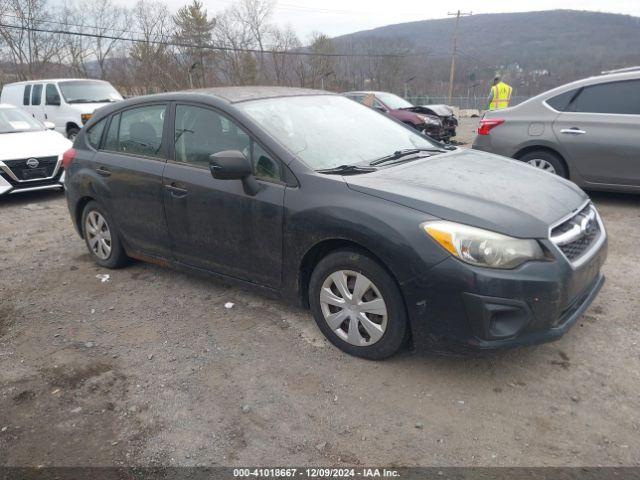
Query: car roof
x,y
242,94
366,92
56,80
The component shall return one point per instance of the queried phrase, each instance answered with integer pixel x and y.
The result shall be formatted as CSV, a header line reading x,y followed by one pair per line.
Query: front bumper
x,y
10,185
481,308
434,131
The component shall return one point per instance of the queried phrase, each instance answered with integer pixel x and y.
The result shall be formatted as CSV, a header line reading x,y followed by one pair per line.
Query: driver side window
x,y
201,132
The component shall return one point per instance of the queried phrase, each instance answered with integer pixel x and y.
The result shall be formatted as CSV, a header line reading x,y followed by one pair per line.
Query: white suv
x,y
67,103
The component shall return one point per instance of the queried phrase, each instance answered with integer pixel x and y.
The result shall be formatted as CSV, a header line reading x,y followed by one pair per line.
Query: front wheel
x,y
358,305
72,133
101,237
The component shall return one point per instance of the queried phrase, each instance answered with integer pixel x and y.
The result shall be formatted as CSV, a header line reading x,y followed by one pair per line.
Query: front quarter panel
x,y
325,209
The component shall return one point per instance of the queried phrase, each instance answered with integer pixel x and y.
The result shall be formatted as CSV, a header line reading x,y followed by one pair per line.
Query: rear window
x,y
137,131
95,133
111,140
622,98
26,95
561,102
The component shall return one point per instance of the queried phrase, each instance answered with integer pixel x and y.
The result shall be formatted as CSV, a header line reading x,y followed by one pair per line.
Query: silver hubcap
x,y
542,165
98,235
353,308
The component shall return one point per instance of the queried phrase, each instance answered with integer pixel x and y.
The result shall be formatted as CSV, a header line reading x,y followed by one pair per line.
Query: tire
x,y
377,335
72,133
547,161
107,251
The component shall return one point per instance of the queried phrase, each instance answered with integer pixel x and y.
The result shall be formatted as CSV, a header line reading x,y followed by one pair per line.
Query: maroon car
x,y
398,108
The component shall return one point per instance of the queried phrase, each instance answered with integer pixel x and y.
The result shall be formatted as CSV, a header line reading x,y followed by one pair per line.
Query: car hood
x,y
478,189
87,107
441,110
45,143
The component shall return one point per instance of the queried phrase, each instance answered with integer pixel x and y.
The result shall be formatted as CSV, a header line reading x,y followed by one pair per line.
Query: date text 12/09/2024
x,y
316,472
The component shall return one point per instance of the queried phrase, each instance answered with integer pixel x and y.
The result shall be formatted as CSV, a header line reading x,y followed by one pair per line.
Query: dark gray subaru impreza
x,y
386,235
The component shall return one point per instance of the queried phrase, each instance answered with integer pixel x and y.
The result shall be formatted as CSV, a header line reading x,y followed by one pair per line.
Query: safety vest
x,y
501,96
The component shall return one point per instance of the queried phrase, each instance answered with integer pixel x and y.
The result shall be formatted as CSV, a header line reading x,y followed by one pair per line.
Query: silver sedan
x,y
587,131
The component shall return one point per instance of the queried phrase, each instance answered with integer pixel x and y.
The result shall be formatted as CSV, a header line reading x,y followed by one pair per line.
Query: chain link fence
x,y
477,103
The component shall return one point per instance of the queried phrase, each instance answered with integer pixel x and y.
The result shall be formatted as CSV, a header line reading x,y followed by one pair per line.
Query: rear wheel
x,y
101,237
357,305
547,161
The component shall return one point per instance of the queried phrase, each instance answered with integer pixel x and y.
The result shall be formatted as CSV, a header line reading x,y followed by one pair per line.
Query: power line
x,y
153,41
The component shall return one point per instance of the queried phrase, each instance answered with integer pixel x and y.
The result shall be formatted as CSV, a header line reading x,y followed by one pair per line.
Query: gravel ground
x,y
150,368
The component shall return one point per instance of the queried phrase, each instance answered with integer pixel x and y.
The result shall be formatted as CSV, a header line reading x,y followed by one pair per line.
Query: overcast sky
x,y
336,17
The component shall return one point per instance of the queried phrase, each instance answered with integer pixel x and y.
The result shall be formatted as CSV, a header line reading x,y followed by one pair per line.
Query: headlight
x,y
482,247
86,117
430,120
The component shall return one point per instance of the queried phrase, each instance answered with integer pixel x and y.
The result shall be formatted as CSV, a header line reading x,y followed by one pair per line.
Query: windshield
x,y
392,101
326,131
13,120
88,92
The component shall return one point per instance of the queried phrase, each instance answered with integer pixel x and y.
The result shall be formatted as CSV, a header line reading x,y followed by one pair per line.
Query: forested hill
x,y
569,44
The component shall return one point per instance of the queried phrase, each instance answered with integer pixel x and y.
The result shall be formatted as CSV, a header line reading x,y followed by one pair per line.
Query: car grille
x,y
46,167
576,236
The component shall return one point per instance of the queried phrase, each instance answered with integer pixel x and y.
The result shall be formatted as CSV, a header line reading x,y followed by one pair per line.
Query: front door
x,y
132,159
599,131
52,110
213,223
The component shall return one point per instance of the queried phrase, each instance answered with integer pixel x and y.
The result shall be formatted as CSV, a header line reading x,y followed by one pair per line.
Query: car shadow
x,y
614,198
26,198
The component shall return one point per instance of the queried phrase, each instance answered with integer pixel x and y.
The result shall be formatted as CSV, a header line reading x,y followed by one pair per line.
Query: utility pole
x,y
454,52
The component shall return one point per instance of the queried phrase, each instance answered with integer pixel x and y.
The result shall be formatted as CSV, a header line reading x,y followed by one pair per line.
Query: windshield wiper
x,y
81,100
397,155
347,170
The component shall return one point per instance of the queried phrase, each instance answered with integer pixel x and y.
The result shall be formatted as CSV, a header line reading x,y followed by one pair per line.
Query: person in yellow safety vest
x,y
500,94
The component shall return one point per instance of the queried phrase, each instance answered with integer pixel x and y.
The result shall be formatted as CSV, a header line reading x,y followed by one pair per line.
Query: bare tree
x,y
30,51
255,16
152,58
106,20
285,42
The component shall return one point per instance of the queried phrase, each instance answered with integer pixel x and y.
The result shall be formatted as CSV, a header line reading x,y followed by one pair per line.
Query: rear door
x,y
213,223
132,160
599,131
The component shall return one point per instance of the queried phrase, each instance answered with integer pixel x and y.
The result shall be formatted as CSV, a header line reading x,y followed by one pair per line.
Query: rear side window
x,y
140,131
111,139
26,95
561,102
95,133
36,96
621,98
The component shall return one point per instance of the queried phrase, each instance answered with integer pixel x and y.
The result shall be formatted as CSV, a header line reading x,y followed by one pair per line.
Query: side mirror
x,y
233,165
49,125
53,101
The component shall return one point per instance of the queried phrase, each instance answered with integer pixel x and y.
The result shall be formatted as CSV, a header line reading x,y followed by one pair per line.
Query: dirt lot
x,y
150,368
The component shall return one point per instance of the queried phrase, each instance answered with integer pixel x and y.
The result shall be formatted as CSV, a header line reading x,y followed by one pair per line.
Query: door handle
x,y
573,131
45,117
177,191
103,171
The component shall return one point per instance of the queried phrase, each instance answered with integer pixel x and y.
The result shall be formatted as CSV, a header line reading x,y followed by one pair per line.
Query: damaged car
x,y
422,119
